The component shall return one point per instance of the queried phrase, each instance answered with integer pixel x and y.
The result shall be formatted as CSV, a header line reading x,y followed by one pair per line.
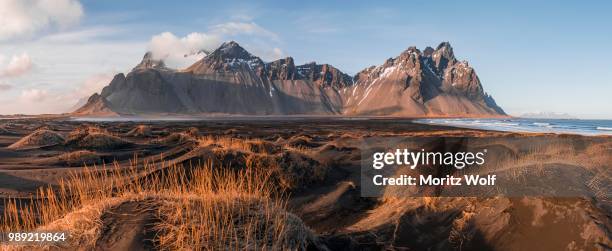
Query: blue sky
x,y
550,56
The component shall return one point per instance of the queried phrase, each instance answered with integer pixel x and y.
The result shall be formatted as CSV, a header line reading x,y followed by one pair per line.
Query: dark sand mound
x,y
82,157
289,175
262,146
102,141
477,224
77,158
293,169
190,135
230,131
95,138
140,131
83,130
39,138
175,138
6,131
302,141
193,131
297,170
128,226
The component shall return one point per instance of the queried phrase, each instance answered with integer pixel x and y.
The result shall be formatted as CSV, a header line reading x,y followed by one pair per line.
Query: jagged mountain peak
x,y
443,45
282,69
324,75
445,49
412,50
231,49
229,57
230,44
149,62
96,104
443,57
428,51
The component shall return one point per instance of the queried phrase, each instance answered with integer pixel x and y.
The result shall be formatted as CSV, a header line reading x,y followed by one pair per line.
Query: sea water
x,y
568,126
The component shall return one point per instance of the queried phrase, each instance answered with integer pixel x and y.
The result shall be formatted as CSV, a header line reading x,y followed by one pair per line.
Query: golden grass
x,y
291,168
252,145
244,145
201,207
594,158
140,130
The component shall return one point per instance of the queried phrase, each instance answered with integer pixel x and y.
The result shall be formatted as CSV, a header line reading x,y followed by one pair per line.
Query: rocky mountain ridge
x,y
230,80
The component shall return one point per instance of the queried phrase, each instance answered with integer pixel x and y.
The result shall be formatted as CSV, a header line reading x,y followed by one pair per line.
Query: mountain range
x,y
230,80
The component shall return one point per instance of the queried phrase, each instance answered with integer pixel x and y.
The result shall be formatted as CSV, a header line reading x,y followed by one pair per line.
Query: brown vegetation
x,y
198,208
78,158
293,169
140,131
90,137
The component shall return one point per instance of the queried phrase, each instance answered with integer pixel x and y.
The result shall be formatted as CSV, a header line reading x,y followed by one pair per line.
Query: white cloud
x,y
78,97
17,66
237,28
82,35
180,52
264,52
23,18
4,86
34,95
53,100
277,53
93,84
62,69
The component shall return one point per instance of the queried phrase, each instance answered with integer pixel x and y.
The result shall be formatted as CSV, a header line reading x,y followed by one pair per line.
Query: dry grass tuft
x,y
245,145
198,208
292,169
176,138
79,158
140,131
91,137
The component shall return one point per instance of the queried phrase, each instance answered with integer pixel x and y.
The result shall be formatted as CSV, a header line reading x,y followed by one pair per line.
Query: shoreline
x,y
534,126
429,121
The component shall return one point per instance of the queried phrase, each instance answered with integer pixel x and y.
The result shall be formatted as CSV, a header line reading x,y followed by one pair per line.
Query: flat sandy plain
x,y
317,163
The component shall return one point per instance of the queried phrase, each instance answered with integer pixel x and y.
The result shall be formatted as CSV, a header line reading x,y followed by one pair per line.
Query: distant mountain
x,y
415,83
230,80
96,105
80,103
547,115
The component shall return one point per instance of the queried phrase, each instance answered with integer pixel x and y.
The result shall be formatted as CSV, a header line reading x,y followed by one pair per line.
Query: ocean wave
x,y
505,124
582,127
